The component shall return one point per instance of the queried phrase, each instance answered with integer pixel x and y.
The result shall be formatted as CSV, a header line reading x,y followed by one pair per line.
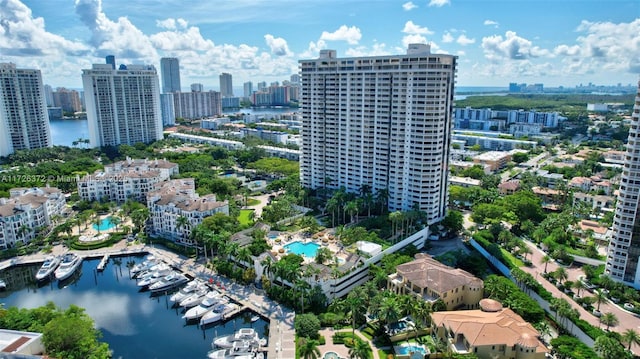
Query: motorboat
x,y
3,284
148,262
161,268
255,318
153,277
70,262
240,350
244,334
210,301
169,282
48,267
218,314
195,298
186,291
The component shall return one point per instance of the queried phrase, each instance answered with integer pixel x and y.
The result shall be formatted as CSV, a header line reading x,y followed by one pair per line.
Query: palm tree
x,y
630,337
352,209
578,285
360,350
609,319
354,306
545,260
601,297
182,222
561,274
267,266
308,349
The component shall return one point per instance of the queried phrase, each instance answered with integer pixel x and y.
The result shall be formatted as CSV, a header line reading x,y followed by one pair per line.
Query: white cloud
x,y
464,40
413,29
566,50
512,47
408,6
349,34
447,37
491,23
378,49
413,39
439,3
171,24
313,50
610,46
277,45
120,38
22,35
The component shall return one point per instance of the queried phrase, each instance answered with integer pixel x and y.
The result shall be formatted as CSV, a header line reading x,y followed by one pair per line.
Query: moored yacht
x,y
186,291
148,262
240,350
244,334
70,262
169,282
218,314
48,267
210,301
195,298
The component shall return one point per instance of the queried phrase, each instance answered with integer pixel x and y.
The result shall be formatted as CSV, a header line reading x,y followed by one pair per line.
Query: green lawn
x,y
253,202
245,217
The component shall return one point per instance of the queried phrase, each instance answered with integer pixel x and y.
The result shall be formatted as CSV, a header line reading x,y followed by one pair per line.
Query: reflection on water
x,y
135,324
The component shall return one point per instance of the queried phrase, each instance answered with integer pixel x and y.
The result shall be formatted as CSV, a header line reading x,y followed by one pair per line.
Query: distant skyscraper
x,y
168,109
262,86
24,120
384,122
111,60
170,70
295,79
623,253
197,104
68,100
123,106
197,88
48,95
248,89
226,85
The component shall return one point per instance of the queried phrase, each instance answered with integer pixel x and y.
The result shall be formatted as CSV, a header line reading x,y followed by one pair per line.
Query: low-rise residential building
x,y
593,183
509,187
19,344
228,144
282,152
129,179
26,212
464,181
596,203
495,160
492,332
491,141
550,180
431,280
551,198
169,201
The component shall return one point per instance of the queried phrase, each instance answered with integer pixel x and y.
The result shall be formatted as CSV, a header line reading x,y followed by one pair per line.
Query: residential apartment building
x,y
491,141
24,120
226,85
129,179
170,71
171,200
197,104
431,280
623,253
213,141
491,332
168,110
123,105
382,121
68,100
26,211
494,160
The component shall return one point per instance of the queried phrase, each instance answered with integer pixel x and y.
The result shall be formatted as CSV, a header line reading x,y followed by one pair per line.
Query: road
x,y
627,319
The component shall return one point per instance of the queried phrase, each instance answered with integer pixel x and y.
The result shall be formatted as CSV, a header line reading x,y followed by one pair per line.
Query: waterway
x,y
134,323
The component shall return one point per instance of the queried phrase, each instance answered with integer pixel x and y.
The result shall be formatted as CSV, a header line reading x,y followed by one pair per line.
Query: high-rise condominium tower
x,y
226,85
248,89
170,70
24,121
123,106
383,122
624,248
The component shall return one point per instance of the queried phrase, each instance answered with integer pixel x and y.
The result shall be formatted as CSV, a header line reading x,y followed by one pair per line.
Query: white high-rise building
x,y
623,253
24,120
168,109
383,122
170,71
248,89
123,106
226,85
48,95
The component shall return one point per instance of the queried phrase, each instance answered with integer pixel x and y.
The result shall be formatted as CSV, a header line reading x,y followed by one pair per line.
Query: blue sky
x,y
561,42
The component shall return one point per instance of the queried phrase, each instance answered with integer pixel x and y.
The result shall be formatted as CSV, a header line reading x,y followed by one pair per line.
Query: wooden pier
x,y
103,263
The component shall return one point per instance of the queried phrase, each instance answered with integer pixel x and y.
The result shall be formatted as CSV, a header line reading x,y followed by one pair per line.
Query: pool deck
x,y
340,349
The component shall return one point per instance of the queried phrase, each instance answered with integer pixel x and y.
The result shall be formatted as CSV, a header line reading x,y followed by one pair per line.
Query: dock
x,y
103,263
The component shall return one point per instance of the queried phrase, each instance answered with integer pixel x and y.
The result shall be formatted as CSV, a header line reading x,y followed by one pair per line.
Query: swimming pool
x,y
302,249
408,349
104,225
331,355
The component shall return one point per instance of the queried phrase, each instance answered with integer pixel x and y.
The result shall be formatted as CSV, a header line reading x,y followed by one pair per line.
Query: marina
x,y
237,306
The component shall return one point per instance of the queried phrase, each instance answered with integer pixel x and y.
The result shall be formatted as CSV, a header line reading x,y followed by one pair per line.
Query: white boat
x,y
209,302
195,298
155,276
255,318
48,267
3,284
218,314
169,282
162,268
244,334
70,262
240,350
186,291
147,263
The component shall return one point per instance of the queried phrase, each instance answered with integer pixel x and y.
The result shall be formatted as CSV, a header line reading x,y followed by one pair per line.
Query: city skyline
x,y
558,43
